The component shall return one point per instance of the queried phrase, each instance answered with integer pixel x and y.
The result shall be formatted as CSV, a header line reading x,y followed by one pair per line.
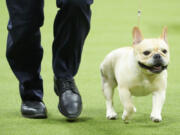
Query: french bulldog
x,y
138,70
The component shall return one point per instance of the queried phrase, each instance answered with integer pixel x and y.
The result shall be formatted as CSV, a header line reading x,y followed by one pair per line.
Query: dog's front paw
x,y
111,115
134,109
157,118
125,116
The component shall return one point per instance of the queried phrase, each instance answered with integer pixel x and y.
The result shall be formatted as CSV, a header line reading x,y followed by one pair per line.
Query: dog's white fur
x,y
120,68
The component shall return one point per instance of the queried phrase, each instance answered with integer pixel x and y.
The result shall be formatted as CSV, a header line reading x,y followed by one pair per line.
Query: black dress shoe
x,y
34,109
70,103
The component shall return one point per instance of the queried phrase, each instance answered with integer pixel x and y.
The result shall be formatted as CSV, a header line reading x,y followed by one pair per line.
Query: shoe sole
x,y
35,116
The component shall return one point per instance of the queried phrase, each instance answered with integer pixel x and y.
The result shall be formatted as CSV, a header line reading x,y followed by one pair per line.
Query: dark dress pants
x,y
24,50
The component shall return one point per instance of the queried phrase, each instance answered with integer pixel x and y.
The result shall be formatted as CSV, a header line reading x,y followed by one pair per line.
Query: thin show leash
x,y
139,14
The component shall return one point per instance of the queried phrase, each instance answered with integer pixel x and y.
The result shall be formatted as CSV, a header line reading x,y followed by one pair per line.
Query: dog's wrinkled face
x,y
151,54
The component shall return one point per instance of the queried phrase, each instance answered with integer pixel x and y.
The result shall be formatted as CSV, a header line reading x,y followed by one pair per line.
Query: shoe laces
x,y
68,85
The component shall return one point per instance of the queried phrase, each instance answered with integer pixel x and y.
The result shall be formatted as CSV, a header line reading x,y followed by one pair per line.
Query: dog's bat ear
x,y
137,36
164,34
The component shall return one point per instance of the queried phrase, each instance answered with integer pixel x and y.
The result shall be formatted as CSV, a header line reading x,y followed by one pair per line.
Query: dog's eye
x,y
164,51
146,52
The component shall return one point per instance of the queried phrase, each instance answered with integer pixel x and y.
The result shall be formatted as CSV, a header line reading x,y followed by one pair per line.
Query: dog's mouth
x,y
157,68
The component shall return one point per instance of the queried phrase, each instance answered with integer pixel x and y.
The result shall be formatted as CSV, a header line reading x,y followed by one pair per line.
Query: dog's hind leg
x,y
108,90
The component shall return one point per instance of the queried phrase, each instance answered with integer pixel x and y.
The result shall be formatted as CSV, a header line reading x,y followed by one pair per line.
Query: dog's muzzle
x,y
157,68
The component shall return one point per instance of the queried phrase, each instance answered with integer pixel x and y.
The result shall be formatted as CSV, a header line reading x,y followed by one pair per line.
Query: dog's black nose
x,y
157,56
